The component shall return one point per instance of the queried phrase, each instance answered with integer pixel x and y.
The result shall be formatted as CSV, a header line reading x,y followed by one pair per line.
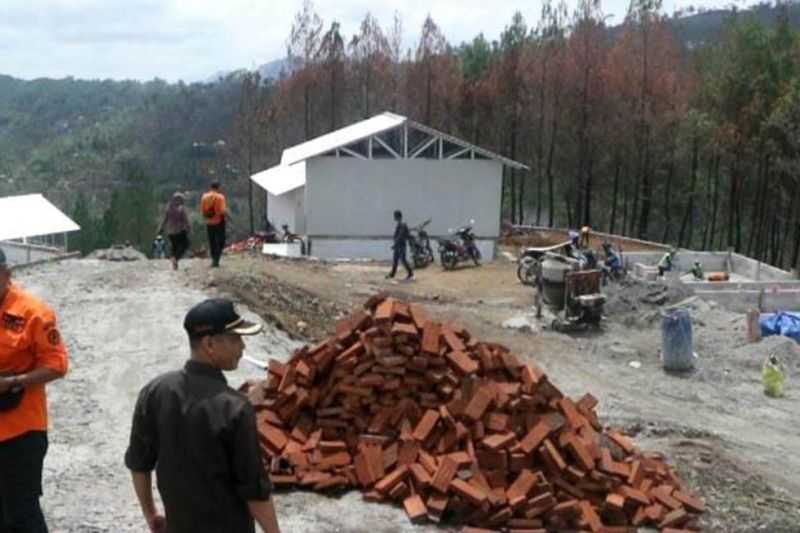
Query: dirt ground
x,y
737,448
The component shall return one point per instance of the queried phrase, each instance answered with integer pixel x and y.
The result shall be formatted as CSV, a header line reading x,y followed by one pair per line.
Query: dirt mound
x,y
419,412
118,253
638,302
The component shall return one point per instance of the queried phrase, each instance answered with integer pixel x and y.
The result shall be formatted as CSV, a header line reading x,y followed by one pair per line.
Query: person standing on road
x,y
200,436
176,225
31,355
401,235
215,211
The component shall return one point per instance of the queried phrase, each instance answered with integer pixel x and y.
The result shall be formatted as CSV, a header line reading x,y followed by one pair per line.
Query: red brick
x,y
431,338
473,494
415,509
549,451
535,436
388,482
663,493
498,440
690,502
418,315
462,362
452,340
676,517
591,517
444,474
518,491
426,425
478,404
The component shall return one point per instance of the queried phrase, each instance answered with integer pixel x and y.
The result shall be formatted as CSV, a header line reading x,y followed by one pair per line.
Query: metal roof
x,y
31,215
282,178
291,172
342,137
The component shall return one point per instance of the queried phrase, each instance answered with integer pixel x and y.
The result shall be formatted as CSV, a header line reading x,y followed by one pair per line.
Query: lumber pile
x,y
420,413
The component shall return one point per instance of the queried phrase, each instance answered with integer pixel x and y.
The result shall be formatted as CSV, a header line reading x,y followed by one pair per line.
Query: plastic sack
x,y
773,377
781,323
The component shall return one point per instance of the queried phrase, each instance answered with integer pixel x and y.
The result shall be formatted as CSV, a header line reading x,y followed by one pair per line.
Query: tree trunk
x,y
550,156
612,222
715,201
667,197
587,202
644,214
796,254
540,144
687,228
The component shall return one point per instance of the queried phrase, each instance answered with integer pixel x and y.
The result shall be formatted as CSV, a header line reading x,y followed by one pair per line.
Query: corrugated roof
x,y
342,137
282,178
291,172
31,215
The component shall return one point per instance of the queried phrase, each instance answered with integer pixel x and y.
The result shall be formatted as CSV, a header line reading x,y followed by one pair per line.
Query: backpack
x,y
208,210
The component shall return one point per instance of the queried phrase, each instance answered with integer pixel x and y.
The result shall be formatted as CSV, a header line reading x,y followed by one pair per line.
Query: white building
x,y
340,189
32,229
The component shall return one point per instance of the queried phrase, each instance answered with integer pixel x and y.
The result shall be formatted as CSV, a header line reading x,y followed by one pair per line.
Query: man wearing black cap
x,y
200,436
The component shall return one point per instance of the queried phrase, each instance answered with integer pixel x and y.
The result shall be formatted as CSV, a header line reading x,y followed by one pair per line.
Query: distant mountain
x,y
272,70
706,27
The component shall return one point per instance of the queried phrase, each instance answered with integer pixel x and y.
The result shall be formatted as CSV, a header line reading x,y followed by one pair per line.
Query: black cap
x,y
215,316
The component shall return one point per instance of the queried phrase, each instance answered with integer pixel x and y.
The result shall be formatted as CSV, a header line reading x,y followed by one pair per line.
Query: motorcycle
x,y
420,245
462,248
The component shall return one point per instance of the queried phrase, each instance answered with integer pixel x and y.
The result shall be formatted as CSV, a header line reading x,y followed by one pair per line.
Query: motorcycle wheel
x,y
476,256
449,260
428,254
526,271
420,261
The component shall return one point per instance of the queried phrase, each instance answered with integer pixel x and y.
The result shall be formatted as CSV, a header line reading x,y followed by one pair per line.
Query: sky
x,y
193,40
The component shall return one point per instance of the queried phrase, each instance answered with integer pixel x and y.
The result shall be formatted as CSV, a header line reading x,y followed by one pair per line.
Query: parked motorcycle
x,y
420,245
462,248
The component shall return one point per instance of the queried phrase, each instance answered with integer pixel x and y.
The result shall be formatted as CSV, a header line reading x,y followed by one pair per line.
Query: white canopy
x,y
31,215
282,178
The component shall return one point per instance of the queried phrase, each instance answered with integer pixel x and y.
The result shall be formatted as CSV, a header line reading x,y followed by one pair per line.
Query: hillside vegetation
x,y
678,129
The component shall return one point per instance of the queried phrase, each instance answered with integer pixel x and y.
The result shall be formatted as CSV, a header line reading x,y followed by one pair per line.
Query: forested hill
x,y
677,129
68,136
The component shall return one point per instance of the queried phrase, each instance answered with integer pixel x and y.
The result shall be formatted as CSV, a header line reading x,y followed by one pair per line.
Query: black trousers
x,y
216,241
179,244
21,460
400,255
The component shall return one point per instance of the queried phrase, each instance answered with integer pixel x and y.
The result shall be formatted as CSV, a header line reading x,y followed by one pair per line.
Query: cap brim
x,y
246,328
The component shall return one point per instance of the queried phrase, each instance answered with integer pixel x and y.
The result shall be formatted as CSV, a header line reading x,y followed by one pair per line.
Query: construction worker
x,y
176,224
32,354
697,271
665,264
584,242
215,211
401,235
200,436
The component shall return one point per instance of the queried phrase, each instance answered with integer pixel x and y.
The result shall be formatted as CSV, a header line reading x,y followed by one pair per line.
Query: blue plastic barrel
x,y
676,340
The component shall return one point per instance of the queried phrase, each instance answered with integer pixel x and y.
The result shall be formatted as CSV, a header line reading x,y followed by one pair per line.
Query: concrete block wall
x,y
711,261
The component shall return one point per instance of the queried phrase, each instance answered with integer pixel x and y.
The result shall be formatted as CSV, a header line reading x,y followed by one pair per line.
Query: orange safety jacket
x,y
216,201
29,339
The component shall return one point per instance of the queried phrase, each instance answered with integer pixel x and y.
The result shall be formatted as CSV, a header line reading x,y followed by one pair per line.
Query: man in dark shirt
x,y
399,247
200,436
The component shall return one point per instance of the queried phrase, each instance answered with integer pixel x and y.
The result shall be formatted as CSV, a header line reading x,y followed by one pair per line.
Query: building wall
x,y
20,254
288,209
349,197
378,249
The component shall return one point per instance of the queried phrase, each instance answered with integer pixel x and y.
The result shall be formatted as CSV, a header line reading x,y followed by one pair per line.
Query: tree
x,y
331,55
302,50
370,51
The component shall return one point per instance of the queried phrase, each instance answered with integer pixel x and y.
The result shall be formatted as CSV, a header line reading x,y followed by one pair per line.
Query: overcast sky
x,y
194,39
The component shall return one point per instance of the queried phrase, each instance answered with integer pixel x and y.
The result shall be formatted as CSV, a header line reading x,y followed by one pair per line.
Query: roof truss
x,y
412,140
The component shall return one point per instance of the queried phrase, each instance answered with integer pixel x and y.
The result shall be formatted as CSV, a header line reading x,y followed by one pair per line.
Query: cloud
x,y
193,39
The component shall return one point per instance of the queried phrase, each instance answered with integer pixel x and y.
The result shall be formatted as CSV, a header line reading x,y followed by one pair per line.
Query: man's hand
x,y
156,523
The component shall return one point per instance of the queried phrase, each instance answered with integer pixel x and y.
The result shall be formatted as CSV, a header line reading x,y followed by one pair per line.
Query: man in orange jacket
x,y
31,355
214,211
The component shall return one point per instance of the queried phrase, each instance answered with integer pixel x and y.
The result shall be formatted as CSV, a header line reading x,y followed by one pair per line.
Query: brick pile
x,y
420,413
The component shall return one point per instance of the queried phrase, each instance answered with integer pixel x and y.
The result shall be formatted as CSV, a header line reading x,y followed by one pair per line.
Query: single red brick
x,y
415,509
426,425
